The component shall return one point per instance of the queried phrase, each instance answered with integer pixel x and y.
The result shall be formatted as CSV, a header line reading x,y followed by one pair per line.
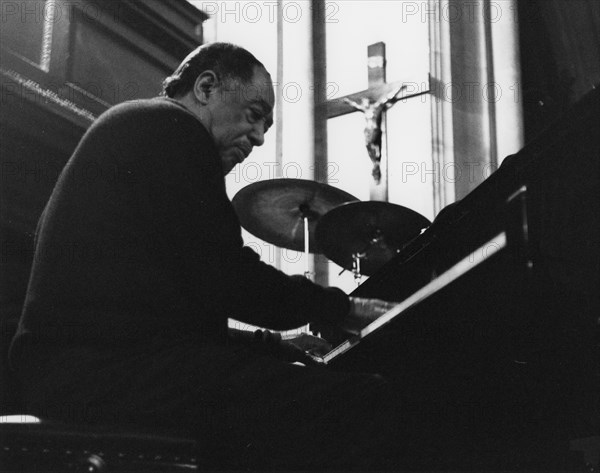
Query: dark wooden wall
x,y
560,51
59,69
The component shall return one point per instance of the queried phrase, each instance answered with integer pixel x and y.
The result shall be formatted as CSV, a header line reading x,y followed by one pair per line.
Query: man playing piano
x,y
137,271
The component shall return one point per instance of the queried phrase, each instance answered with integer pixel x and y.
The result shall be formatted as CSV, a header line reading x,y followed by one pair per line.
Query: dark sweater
x,y
139,240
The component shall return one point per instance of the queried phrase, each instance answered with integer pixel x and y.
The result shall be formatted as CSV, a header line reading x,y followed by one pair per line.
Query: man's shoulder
x,y
160,117
148,107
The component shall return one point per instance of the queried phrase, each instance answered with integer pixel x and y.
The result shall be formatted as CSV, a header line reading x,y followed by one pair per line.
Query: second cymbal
x,y
374,231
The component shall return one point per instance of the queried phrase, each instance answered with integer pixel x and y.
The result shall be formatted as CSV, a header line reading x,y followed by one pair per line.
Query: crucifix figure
x,y
373,102
373,117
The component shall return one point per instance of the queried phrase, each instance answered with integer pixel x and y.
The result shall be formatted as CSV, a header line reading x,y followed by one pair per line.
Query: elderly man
x,y
139,264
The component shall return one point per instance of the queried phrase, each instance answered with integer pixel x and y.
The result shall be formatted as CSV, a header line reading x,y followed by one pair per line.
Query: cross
x,y
382,95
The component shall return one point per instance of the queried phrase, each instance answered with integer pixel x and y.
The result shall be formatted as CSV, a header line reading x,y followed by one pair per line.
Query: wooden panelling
x,y
112,78
22,28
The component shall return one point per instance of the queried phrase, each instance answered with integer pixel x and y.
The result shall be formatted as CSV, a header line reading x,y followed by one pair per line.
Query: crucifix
x,y
373,103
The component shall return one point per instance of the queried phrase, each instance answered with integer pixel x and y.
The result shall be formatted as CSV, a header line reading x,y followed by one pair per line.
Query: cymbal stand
x,y
307,273
356,257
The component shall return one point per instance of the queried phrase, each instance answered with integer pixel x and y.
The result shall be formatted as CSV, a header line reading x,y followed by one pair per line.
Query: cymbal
x,y
374,230
274,210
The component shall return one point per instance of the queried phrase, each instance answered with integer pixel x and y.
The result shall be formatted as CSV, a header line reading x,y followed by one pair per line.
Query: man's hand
x,y
309,343
301,347
297,348
363,312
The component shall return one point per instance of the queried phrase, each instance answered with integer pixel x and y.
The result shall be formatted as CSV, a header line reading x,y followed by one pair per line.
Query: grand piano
x,y
501,365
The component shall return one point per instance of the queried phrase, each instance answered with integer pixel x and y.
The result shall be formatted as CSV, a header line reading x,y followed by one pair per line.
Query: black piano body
x,y
501,366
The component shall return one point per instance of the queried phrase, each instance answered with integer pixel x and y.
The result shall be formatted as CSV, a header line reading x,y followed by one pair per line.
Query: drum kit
x,y
308,216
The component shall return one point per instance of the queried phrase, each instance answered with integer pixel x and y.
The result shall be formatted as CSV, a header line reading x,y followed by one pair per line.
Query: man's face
x,y
239,116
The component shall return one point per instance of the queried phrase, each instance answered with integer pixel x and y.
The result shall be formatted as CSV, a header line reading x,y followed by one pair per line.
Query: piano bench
x,y
30,444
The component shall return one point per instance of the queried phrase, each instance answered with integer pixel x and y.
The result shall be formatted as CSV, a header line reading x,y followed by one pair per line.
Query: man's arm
x,y
204,248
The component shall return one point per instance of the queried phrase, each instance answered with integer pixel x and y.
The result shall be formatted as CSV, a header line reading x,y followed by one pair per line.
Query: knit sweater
x,y
139,240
